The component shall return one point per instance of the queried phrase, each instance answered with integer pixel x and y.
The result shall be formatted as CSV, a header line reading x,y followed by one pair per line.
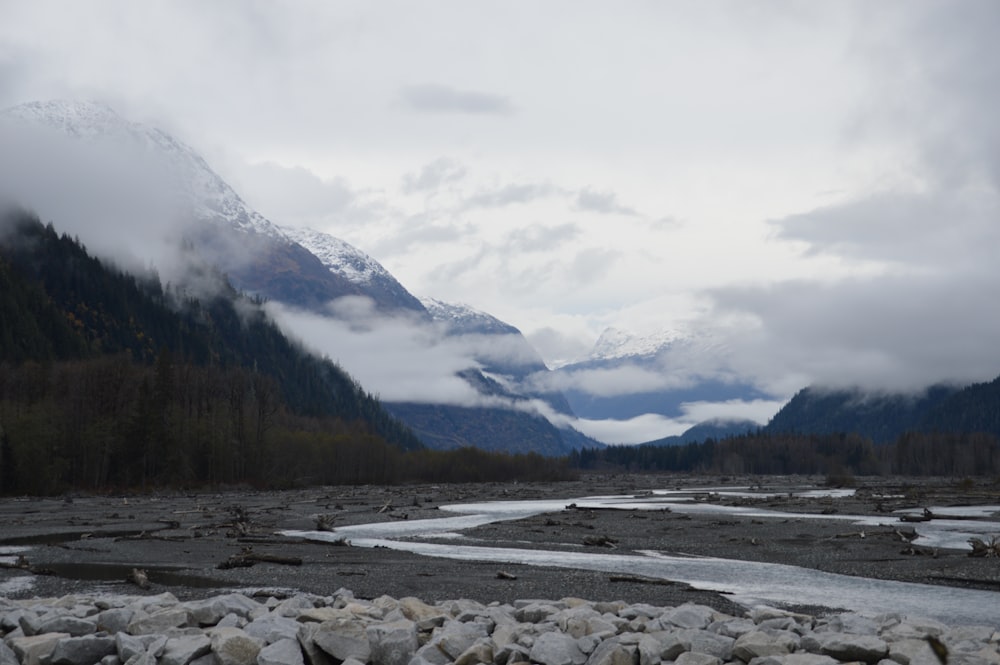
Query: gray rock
x,y
115,619
392,643
912,652
702,641
208,612
480,652
649,650
232,646
273,627
343,639
848,622
867,648
282,652
7,657
158,622
612,652
795,659
84,650
535,612
67,624
313,654
758,644
131,645
732,627
689,616
29,623
556,649
111,659
182,650
34,649
430,654
454,638
697,658
914,628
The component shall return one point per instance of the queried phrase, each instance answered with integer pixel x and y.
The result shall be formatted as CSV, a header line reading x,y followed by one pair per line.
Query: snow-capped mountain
x,y
353,265
178,203
205,195
461,319
617,343
676,368
173,191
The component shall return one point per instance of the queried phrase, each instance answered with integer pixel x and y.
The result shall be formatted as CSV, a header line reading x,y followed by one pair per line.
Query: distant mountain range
x,y
685,366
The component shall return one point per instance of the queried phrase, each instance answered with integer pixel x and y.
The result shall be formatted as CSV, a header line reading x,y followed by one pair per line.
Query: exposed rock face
x,y
235,629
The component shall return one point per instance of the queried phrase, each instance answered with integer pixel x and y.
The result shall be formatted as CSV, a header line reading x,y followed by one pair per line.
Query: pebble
x,y
237,629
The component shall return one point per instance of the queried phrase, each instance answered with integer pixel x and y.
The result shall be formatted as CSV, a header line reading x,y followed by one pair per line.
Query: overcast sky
x,y
814,182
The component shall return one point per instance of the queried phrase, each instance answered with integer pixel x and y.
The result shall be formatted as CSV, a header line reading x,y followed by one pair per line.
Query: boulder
x,y
554,648
697,658
158,622
392,643
35,649
343,638
867,648
84,650
757,643
67,624
182,650
282,652
232,646
612,652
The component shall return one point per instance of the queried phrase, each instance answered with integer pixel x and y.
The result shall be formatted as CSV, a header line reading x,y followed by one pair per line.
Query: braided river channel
x,y
746,582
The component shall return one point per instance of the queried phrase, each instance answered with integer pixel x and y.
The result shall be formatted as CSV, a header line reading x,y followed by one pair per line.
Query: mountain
x,y
884,417
354,266
110,379
682,367
202,216
197,204
710,429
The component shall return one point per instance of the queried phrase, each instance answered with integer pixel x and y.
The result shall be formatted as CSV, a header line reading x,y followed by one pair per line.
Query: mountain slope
x,y
82,308
191,206
881,417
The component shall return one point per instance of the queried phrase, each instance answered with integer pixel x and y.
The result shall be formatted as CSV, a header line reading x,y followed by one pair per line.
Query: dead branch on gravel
x,y
982,549
599,541
138,577
503,575
248,557
639,579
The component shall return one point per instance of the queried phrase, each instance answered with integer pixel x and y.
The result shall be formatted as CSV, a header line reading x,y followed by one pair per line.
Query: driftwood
x,y
22,563
599,541
138,577
640,579
504,575
248,557
982,549
324,523
926,516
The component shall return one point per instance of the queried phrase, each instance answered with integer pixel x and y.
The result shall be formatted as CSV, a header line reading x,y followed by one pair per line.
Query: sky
x,y
813,184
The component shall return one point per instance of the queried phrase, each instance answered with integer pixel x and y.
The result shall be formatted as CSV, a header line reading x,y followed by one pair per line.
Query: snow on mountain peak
x,y
205,195
616,343
462,318
339,256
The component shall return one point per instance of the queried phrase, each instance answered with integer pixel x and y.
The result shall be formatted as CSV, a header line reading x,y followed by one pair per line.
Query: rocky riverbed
x,y
236,629
195,544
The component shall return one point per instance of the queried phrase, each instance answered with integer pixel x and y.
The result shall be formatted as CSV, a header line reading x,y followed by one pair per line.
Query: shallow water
x,y
748,582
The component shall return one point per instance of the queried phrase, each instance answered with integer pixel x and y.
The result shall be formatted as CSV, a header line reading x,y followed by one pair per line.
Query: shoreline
x,y
181,539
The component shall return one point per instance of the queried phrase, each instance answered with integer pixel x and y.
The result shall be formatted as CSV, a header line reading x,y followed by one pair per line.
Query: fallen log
x,y
640,579
599,541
